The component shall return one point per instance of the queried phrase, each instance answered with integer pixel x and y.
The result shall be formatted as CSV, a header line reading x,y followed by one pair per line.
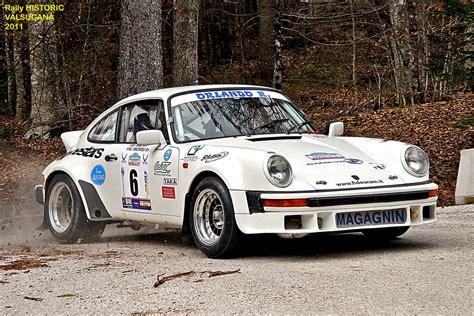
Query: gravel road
x,y
428,270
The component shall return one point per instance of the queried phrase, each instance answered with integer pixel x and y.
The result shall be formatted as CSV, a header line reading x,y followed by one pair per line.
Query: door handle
x,y
110,157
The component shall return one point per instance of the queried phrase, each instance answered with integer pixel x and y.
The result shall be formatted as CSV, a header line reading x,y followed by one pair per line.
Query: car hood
x,y
324,162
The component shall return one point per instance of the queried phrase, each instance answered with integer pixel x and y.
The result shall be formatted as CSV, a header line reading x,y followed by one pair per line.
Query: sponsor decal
x,y
167,192
347,160
322,156
136,203
378,166
134,159
397,216
342,184
214,157
98,175
193,150
137,148
145,179
145,158
228,94
124,157
161,168
353,161
355,177
190,158
170,181
89,152
167,155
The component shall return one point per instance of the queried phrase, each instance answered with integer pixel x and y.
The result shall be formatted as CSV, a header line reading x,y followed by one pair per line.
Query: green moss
x,y
465,122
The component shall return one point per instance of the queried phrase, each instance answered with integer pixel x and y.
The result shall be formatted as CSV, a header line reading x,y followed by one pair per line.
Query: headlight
x,y
416,161
279,171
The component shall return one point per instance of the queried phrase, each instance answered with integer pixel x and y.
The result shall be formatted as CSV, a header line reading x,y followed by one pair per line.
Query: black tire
x,y
227,238
77,226
385,233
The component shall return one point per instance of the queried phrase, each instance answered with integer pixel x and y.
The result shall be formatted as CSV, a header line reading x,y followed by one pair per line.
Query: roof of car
x,y
165,93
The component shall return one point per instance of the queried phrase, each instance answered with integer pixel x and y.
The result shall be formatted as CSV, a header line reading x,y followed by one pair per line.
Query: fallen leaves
x,y
24,264
162,278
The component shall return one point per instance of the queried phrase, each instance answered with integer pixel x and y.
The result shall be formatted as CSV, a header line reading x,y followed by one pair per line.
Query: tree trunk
x,y
185,38
141,58
22,73
45,111
278,57
423,50
11,75
266,16
3,69
401,52
354,53
265,32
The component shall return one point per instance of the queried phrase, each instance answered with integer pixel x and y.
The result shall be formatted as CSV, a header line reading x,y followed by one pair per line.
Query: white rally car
x,y
221,161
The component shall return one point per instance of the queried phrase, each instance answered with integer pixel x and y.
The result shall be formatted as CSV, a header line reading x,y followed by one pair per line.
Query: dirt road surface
x,y
428,270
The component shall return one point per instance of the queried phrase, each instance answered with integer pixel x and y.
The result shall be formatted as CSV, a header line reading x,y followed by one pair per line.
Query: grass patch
x,y
465,122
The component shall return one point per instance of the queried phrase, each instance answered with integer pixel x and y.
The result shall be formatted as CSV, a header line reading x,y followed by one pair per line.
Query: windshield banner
x,y
223,94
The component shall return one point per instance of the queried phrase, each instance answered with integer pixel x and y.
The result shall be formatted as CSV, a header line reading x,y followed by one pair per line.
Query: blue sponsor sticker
x,y
167,155
353,161
98,175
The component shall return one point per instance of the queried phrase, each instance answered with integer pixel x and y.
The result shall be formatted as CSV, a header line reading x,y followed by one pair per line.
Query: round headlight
x,y
279,171
417,163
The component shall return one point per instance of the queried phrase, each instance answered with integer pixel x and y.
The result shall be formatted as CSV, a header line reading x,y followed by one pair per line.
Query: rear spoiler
x,y
70,139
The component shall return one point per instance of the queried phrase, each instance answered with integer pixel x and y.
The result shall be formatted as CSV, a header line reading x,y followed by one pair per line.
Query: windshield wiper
x,y
298,126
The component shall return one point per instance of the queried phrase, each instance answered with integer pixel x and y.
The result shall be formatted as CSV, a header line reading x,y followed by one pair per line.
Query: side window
x,y
140,116
104,131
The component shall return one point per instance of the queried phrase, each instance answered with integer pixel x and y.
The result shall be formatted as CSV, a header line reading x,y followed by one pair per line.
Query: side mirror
x,y
151,137
336,129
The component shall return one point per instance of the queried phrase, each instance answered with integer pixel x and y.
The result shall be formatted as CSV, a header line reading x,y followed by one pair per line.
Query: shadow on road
x,y
327,246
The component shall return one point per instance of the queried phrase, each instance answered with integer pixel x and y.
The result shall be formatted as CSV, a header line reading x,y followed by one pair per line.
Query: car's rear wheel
x,y
385,233
66,216
212,220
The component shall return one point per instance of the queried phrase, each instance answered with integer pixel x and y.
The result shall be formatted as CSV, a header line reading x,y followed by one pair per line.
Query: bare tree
x,y
266,45
402,56
278,56
10,74
22,73
185,37
43,60
141,56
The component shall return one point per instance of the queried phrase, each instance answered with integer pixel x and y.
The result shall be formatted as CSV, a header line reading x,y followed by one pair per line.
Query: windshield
x,y
234,113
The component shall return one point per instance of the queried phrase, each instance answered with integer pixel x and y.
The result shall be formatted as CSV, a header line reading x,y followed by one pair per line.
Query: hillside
x,y
442,129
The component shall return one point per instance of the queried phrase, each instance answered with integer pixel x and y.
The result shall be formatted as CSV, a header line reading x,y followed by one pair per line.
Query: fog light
x,y
414,213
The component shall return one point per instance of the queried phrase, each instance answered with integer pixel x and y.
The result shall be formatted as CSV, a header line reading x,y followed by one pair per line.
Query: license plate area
x,y
371,218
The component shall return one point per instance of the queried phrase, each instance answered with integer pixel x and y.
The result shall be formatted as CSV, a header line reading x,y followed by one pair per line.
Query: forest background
x,y
395,69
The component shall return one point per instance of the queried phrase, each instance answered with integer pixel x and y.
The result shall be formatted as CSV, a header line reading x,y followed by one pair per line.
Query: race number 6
x,y
133,182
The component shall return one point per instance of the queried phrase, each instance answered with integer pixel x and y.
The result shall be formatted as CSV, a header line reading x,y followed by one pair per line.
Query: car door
x,y
143,189
102,150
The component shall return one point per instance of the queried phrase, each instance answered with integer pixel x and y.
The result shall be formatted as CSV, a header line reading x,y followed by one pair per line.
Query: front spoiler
x,y
323,206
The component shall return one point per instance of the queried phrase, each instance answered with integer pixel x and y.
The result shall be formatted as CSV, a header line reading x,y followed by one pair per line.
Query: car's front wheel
x,y
385,233
212,220
66,216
